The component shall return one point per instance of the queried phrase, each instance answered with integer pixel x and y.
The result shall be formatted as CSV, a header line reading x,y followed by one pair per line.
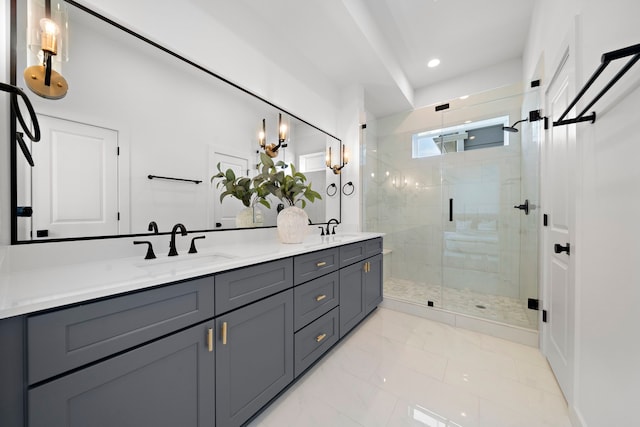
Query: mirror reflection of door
x,y
75,180
224,214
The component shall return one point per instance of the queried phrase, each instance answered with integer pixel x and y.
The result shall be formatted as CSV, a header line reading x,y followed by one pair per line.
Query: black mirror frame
x,y
13,118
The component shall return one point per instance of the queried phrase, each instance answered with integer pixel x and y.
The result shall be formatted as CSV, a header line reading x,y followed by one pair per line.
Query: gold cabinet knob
x,y
320,297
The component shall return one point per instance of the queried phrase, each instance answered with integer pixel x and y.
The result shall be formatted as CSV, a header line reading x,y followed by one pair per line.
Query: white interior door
x,y
75,180
559,190
224,214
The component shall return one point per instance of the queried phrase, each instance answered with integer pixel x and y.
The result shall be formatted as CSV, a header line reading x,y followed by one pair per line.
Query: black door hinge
x,y
544,316
118,216
117,151
533,304
535,83
545,220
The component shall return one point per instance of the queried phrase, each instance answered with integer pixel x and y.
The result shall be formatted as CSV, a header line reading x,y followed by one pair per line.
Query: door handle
x,y
224,333
524,207
558,248
210,340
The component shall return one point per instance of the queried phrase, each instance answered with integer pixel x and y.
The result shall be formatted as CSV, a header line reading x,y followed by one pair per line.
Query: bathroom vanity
x,y
211,349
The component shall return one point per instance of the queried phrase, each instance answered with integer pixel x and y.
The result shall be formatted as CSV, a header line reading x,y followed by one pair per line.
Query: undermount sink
x,y
182,262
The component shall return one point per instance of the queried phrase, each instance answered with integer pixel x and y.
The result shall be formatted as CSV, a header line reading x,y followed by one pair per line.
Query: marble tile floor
x,y
396,369
496,307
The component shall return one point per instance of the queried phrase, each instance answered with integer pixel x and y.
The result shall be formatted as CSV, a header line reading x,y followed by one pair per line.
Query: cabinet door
x,y
373,283
352,308
169,382
254,357
66,339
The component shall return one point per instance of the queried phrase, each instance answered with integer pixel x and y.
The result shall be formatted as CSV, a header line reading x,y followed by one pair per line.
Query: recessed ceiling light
x,y
464,97
433,63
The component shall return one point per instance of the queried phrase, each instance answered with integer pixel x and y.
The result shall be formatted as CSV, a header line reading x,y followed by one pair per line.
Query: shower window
x,y
469,136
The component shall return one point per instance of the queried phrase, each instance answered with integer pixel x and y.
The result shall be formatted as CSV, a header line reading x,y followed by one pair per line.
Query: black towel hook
x,y
35,136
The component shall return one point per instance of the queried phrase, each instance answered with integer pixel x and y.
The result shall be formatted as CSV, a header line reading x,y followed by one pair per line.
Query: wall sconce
x,y
379,181
42,79
399,183
344,159
272,149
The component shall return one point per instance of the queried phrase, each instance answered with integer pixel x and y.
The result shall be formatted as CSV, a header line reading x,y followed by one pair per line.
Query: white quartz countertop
x,y
30,290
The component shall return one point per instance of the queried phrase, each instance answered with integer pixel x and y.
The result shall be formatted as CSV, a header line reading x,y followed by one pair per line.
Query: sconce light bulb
x,y
261,136
373,175
387,173
50,33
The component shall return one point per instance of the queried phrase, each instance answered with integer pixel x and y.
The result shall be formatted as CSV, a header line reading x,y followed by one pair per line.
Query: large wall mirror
x,y
138,137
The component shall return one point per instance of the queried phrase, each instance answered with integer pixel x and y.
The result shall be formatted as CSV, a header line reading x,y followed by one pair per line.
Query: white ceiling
x,y
382,45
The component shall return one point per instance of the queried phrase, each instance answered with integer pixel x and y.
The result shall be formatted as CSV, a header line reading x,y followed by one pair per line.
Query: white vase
x,y
292,225
249,217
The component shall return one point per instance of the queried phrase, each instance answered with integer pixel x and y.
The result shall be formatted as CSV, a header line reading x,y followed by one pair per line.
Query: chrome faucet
x,y
172,244
334,228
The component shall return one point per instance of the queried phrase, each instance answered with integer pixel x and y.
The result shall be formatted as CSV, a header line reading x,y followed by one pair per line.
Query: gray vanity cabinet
x,y
167,383
254,357
373,283
360,282
62,340
352,306
208,351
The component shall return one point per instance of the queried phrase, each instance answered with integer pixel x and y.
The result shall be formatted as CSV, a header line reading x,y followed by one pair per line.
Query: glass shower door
x,y
481,234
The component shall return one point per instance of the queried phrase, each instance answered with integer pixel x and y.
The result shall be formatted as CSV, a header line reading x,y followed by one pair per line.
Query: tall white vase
x,y
292,225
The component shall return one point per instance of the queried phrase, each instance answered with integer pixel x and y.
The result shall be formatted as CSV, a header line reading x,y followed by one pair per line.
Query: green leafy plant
x,y
242,188
290,189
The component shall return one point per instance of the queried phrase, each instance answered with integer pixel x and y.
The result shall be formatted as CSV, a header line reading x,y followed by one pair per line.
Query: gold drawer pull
x,y
321,264
210,339
320,297
321,337
224,333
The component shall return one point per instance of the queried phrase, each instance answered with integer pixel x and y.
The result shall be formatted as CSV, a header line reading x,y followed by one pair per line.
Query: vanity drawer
x,y
66,339
373,247
314,340
350,254
315,264
246,285
315,298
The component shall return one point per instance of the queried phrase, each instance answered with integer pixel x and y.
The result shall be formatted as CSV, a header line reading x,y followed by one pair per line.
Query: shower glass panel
x,y
443,186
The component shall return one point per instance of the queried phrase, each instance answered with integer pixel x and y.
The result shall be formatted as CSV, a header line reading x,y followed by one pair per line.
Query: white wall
x,y
182,26
607,378
5,140
504,74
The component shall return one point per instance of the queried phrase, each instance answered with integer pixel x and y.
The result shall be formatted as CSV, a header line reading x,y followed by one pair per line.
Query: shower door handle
x,y
450,210
524,207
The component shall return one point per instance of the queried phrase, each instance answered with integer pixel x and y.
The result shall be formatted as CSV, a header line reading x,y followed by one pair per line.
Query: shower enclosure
x,y
443,186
